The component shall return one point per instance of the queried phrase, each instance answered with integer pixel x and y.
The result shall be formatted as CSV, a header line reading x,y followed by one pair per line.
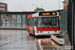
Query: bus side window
x,y
50,21
28,21
31,22
33,19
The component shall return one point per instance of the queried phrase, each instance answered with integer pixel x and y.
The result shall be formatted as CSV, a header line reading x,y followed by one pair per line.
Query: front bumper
x,y
38,34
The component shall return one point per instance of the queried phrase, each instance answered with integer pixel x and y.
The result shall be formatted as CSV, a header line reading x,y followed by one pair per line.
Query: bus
x,y
43,23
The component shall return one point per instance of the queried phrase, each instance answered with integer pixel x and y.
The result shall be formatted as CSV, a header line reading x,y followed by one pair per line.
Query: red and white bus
x,y
43,23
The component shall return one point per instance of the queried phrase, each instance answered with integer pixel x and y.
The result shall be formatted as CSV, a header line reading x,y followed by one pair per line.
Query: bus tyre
x,y
30,34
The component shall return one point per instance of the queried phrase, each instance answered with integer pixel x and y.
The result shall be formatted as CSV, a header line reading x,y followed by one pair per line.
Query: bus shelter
x,y
13,19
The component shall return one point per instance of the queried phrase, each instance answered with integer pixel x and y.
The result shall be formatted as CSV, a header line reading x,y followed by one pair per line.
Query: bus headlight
x,y
58,31
37,31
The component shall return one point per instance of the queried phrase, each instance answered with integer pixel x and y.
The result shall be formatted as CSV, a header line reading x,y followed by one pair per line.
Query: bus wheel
x,y
30,34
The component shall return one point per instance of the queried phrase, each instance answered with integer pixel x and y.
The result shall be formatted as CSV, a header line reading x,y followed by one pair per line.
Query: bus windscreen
x,y
48,22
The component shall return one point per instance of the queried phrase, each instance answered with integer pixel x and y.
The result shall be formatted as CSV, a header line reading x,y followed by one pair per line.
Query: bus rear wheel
x,y
31,34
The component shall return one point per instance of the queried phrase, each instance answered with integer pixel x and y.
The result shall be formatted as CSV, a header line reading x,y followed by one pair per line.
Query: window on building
x,y
2,8
2,5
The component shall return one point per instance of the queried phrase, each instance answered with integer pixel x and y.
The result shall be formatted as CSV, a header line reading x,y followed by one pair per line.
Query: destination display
x,y
47,13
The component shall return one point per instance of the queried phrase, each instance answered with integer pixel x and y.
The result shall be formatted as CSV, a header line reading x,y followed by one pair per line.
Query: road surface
x,y
20,40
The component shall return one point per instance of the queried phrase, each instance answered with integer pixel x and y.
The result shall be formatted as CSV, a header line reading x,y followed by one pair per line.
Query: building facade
x,y
3,7
65,2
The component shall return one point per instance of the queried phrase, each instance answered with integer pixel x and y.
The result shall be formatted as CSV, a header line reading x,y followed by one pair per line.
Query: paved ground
x,y
18,40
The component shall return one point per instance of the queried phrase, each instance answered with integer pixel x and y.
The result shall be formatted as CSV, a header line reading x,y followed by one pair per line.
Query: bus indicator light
x,y
60,17
34,19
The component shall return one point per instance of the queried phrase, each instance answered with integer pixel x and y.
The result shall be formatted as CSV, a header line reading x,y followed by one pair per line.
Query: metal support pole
x,y
21,20
70,22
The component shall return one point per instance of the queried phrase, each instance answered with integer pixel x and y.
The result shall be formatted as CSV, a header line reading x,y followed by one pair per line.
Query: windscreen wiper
x,y
53,27
44,27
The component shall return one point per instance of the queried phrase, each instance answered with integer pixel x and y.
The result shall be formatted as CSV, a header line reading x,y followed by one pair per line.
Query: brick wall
x,y
3,7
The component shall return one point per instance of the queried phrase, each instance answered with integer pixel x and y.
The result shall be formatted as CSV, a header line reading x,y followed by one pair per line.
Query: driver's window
x,y
39,20
45,21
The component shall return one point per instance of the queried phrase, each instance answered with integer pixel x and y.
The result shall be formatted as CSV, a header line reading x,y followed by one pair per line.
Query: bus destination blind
x,y
47,13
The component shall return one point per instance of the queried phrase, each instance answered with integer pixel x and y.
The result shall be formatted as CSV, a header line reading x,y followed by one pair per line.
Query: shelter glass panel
x,y
18,21
24,21
3,20
13,21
